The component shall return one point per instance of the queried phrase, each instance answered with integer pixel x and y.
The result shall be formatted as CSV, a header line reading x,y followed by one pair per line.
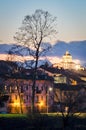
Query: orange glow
x,y
52,59
16,104
7,57
41,103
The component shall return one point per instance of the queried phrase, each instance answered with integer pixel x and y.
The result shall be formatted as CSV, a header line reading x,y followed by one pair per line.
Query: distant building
x,y
67,62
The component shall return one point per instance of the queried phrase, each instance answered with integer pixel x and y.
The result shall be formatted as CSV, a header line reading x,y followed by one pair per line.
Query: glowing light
x,y
50,89
16,104
54,59
77,67
77,61
41,103
66,109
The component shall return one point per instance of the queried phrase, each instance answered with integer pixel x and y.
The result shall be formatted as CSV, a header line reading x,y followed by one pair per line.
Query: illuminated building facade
x,y
20,94
19,87
67,62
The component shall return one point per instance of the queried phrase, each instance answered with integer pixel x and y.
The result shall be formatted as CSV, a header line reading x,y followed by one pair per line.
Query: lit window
x,y
15,87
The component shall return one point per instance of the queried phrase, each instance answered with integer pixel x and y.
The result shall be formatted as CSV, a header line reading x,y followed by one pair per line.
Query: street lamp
x,y
48,90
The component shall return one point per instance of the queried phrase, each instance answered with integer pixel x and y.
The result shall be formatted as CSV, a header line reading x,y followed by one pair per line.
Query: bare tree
x,y
36,29
18,87
70,102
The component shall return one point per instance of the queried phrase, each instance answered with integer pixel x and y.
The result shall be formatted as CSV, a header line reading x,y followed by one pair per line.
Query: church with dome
x,y
67,62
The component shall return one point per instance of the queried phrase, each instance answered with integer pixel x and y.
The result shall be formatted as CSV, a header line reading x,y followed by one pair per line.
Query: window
x,y
15,87
37,98
22,97
16,97
21,89
26,87
42,88
41,97
5,87
26,97
38,90
10,89
10,99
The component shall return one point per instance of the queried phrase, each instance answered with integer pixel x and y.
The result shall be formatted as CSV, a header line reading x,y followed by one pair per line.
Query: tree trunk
x,y
33,98
65,123
20,101
34,81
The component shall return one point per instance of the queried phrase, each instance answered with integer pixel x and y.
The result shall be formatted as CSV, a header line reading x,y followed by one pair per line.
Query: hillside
x,y
76,48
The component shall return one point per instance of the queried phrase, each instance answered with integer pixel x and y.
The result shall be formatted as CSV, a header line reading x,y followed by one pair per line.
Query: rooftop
x,y
67,53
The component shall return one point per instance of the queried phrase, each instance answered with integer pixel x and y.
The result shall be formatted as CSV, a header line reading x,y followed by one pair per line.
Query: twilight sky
x,y
71,17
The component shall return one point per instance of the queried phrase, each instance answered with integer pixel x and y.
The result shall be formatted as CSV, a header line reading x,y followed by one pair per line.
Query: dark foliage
x,y
40,122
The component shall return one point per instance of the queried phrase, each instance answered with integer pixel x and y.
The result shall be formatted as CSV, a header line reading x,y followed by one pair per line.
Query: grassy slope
x,y
47,122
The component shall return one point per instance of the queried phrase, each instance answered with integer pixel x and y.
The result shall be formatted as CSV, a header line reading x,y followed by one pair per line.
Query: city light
x,y
49,90
16,104
41,103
